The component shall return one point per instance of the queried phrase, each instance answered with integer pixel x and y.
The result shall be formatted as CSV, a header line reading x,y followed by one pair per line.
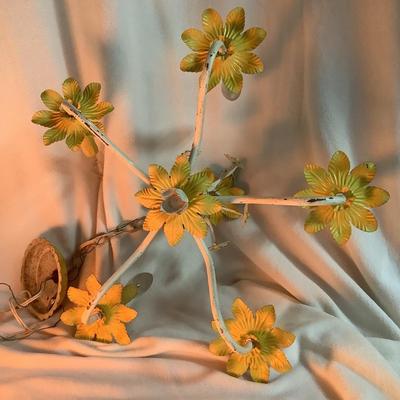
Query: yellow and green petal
x,y
219,347
194,223
154,220
249,40
196,40
365,171
113,295
339,163
205,205
243,315
53,135
97,111
259,370
375,196
317,178
233,82
212,23
198,183
234,23
45,118
216,74
72,91
278,361
285,338
149,198
51,99
340,227
92,285
90,95
318,219
78,296
193,62
122,313
264,318
362,218
118,330
173,230
250,63
159,177
180,171
237,364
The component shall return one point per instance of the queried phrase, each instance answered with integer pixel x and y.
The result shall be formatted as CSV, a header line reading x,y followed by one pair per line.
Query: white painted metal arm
x,y
118,273
201,98
214,302
71,110
286,201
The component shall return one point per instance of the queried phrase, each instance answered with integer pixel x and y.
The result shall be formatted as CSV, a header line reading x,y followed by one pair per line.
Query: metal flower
x,y
267,342
112,315
178,200
359,197
63,126
237,57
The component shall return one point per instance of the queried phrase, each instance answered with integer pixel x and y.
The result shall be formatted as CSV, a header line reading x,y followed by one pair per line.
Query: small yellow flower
x,y
226,188
111,314
267,342
62,126
238,57
178,200
359,197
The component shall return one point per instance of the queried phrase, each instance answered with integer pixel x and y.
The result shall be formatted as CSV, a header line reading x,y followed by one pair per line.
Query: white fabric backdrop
x,y
330,82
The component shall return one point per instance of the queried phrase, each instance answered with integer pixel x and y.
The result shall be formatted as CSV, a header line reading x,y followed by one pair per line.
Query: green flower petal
x,y
53,135
90,95
193,62
265,318
365,171
159,177
218,347
74,140
149,198
243,315
278,361
237,364
318,179
362,218
198,183
196,40
234,84
259,370
51,99
375,196
250,63
180,171
194,224
339,163
212,23
205,205
44,118
305,193
318,219
71,90
285,339
234,24
340,227
216,74
97,111
249,40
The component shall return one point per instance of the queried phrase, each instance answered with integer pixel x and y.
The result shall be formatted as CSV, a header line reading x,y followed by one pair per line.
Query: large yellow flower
x,y
63,126
359,197
110,313
237,58
267,342
178,200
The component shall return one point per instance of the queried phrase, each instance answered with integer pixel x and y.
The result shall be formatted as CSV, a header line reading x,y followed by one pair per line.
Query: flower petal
x,y
250,63
234,23
71,90
78,296
119,332
194,224
72,316
112,296
92,285
318,218
285,339
219,347
74,139
193,62
159,177
198,183
216,74
196,40
259,370
89,146
265,318
212,23
249,40
365,171
51,99
53,135
149,198
180,171
243,315
362,218
278,361
97,111
205,205
90,94
154,220
340,227
234,84
237,364
87,332
339,163
173,230
305,193
318,179
123,313
375,196
44,118
103,333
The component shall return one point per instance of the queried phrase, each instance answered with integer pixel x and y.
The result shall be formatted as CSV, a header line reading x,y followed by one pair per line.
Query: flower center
x,y
175,201
346,192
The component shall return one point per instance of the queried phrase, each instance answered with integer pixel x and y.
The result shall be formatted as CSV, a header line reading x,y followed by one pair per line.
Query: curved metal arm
x,y
214,302
287,201
71,110
118,273
201,98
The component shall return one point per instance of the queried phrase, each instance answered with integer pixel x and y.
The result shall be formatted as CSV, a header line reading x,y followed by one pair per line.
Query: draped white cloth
x,y
330,82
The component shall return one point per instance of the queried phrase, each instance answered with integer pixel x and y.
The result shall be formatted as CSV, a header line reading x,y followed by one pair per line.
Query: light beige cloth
x,y
331,82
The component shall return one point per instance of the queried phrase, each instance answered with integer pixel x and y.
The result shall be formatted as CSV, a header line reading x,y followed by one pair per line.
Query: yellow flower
x,y
359,197
111,314
238,57
62,126
267,342
226,188
178,200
